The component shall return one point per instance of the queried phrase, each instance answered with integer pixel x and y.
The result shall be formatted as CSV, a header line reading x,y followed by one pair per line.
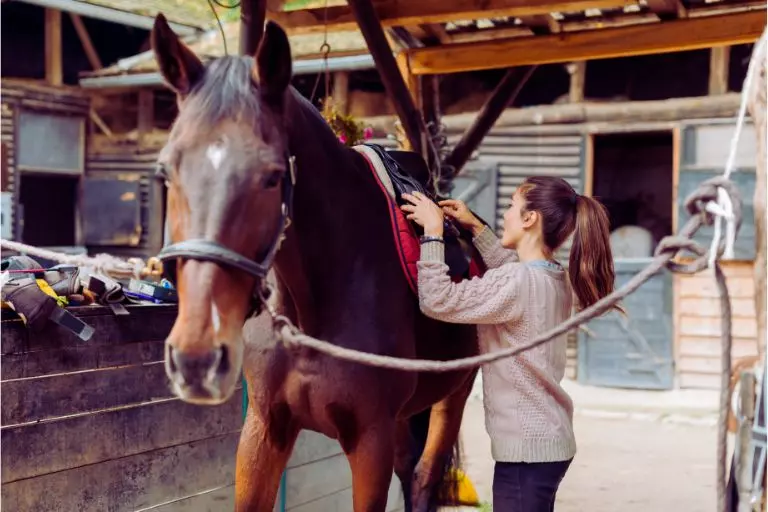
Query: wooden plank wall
x,y
93,425
19,94
697,317
319,479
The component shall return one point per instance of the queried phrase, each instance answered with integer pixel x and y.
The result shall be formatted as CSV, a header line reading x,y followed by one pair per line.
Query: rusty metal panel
x,y
111,211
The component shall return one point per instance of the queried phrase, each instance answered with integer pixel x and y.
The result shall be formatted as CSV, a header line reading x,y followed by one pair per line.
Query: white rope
x,y
100,263
723,209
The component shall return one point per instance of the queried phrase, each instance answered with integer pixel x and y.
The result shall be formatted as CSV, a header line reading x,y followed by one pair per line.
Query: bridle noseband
x,y
201,249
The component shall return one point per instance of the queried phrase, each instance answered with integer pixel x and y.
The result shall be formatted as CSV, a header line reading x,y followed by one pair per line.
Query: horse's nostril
x,y
224,364
194,367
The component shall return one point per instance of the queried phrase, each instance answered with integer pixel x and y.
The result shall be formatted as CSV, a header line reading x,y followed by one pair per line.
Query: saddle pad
x,y
406,239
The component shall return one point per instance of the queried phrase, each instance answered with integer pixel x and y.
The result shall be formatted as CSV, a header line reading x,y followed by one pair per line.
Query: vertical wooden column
x,y
718,69
252,16
757,109
146,113
341,91
54,73
578,72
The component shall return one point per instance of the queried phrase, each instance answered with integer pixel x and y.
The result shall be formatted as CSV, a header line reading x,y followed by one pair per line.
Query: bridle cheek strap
x,y
201,249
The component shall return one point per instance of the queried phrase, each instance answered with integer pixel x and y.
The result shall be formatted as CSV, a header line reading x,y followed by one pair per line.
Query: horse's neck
x,y
332,210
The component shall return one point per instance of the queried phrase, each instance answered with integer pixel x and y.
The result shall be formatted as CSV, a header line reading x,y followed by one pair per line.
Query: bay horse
x,y
247,161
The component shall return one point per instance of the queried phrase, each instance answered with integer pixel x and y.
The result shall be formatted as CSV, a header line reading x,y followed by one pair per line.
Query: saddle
x,y
407,172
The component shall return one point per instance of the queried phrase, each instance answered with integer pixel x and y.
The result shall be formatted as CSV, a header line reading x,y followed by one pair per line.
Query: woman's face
x,y
513,222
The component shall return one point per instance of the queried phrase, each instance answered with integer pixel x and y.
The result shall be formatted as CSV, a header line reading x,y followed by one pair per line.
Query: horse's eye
x,y
273,179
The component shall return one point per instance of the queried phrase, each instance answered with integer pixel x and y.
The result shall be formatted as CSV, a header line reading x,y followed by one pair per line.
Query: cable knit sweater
x,y
528,415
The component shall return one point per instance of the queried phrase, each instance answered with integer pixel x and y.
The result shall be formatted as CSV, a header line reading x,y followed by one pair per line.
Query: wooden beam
x,y
252,16
757,110
54,73
671,36
413,84
98,121
489,33
405,13
381,52
85,40
146,113
504,94
719,58
578,72
341,91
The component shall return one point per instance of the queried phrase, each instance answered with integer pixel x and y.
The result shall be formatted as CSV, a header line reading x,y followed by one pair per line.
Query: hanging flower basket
x,y
348,130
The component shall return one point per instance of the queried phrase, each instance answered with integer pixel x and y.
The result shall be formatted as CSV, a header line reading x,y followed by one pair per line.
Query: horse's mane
x,y
226,91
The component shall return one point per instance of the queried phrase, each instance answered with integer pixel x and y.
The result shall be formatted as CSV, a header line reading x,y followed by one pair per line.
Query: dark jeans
x,y
527,487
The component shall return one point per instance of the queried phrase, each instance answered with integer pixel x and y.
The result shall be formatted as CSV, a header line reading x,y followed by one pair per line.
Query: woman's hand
x,y
425,213
457,210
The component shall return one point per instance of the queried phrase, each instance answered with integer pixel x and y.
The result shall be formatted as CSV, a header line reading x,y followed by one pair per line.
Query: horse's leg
x,y
444,425
262,454
407,454
371,459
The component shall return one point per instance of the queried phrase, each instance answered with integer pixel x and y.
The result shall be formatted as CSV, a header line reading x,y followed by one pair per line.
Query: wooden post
x,y
252,16
146,113
718,69
757,107
413,84
54,74
578,72
85,40
369,24
341,91
504,94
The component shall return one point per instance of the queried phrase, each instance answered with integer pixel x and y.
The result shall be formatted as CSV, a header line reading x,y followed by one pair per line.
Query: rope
x,y
723,207
101,263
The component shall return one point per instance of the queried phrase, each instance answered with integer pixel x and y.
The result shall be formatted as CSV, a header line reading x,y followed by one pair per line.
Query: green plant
x,y
348,130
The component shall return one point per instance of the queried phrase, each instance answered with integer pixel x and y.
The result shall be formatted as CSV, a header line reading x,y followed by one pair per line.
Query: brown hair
x,y
563,212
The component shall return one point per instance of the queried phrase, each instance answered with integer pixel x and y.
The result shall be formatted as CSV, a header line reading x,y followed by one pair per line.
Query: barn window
x,y
51,162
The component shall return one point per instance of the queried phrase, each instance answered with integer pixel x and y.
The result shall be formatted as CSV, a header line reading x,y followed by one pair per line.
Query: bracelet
x,y
426,239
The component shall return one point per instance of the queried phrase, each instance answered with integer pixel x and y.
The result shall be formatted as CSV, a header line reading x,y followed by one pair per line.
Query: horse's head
x,y
226,166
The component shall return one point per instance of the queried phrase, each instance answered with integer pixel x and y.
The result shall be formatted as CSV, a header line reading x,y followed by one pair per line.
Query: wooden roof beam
x,y
645,39
405,13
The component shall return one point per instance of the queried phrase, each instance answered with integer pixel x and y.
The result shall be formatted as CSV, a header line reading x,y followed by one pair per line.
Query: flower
x,y
343,138
368,133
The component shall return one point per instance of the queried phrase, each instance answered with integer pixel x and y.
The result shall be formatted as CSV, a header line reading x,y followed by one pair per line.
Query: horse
x,y
257,181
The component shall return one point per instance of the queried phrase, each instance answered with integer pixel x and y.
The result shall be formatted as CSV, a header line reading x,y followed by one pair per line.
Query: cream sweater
x,y
528,415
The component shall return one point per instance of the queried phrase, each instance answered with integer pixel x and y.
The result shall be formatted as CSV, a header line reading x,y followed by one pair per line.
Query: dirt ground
x,y
622,463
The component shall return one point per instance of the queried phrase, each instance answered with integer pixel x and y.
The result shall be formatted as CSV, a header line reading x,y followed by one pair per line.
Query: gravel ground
x,y
623,463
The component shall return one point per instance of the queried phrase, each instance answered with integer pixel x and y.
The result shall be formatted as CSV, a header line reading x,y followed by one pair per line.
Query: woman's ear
x,y
530,218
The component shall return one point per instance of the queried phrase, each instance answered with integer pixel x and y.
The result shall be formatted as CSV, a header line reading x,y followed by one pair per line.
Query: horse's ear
x,y
273,62
178,64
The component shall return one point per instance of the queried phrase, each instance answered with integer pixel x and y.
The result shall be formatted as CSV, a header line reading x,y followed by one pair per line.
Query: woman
x,y
524,292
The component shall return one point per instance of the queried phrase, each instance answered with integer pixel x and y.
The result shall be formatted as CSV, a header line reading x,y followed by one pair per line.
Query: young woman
x,y
524,292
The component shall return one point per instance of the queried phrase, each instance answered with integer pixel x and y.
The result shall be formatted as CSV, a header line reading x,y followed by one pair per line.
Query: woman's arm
x,y
490,248
491,299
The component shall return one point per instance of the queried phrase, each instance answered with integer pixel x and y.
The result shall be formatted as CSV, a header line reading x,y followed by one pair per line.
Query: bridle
x,y
202,249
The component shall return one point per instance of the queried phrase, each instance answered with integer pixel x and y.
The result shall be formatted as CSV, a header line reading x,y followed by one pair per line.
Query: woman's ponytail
x,y
591,263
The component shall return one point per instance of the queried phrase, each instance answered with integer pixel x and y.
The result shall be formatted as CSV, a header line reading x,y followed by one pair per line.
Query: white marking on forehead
x,y
215,318
216,153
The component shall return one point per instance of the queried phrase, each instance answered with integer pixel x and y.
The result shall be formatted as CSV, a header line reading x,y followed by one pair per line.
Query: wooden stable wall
x,y
698,323
93,425
27,94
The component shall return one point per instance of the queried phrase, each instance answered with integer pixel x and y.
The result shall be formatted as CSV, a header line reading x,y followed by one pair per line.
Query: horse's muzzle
x,y
199,377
